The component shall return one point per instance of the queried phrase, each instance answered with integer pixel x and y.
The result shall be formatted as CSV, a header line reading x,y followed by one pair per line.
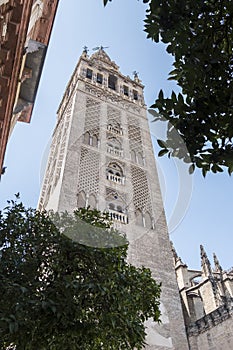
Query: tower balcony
x,y
115,178
114,151
119,217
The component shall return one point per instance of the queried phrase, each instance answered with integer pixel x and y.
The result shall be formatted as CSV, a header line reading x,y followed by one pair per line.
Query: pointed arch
x,y
139,217
81,201
140,158
116,207
114,127
87,138
114,173
111,206
133,156
148,220
94,141
92,201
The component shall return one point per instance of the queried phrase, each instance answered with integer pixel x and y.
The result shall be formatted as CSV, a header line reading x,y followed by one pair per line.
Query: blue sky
x,y
205,205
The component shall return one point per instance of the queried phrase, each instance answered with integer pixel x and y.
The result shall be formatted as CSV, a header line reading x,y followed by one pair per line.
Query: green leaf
x,y
191,169
161,95
162,152
162,143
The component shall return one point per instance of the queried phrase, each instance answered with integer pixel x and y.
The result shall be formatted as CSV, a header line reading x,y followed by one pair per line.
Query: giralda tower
x,y
101,156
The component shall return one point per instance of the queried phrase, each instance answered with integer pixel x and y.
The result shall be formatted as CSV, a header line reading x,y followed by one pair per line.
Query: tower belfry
x,y
101,156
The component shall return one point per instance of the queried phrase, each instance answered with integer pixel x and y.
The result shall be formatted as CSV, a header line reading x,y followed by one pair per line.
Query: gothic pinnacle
x,y
218,267
205,263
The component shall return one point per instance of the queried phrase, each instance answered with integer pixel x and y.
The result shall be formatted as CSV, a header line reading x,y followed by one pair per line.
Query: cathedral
x,y
101,156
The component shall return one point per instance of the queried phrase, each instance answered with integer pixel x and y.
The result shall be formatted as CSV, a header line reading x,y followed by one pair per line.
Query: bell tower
x,y
101,156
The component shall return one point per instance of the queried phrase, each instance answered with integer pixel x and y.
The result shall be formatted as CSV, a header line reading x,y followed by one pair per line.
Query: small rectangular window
x,y
112,82
99,78
89,73
135,95
126,90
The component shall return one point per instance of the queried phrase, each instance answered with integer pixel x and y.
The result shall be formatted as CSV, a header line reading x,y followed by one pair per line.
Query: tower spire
x,y
205,263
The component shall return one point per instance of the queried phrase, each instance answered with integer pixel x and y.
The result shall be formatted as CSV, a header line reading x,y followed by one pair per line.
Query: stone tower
x,y
101,155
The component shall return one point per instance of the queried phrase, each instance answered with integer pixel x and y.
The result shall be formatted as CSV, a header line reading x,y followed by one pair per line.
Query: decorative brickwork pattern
x,y
113,114
92,120
134,132
88,179
141,194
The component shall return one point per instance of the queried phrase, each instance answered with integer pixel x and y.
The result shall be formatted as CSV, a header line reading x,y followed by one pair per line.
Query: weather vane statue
x,y
85,49
135,73
100,48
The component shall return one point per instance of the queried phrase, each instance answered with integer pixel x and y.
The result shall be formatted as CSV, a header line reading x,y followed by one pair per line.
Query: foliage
x,y
59,294
199,34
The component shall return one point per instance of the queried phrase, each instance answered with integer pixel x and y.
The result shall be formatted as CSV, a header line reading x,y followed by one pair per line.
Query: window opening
x,y
139,218
148,221
81,203
133,156
126,90
140,159
112,80
115,174
92,202
94,141
135,95
117,210
89,73
87,138
99,78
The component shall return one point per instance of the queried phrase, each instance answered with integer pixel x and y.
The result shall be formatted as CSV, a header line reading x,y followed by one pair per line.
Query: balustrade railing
x,y
119,217
115,178
114,151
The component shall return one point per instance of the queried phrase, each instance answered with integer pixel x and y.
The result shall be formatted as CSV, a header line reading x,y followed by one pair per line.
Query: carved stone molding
x,y
107,96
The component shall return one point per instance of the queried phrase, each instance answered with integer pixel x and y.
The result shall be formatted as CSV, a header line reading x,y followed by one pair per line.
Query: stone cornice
x,y
106,95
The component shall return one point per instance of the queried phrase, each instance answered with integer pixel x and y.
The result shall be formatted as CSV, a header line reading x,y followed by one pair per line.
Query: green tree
x,y
199,35
57,293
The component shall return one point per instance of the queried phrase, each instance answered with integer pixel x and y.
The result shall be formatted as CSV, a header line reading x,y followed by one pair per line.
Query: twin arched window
x,y
117,208
137,157
114,147
143,220
115,128
115,173
85,201
90,140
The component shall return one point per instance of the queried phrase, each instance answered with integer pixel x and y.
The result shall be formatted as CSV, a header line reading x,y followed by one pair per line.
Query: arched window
x,y
148,221
87,138
139,218
140,158
94,141
81,202
119,208
114,146
111,206
133,156
115,128
115,173
92,201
